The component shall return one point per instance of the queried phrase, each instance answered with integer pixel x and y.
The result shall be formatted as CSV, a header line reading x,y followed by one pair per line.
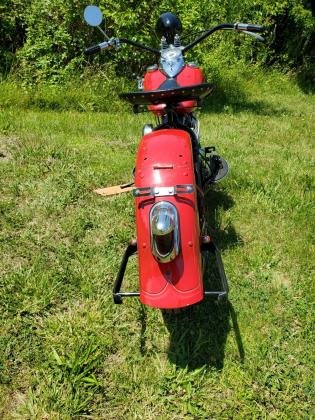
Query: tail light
x,y
164,227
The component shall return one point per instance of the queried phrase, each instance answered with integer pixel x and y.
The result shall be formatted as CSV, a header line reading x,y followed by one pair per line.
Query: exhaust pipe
x,y
164,227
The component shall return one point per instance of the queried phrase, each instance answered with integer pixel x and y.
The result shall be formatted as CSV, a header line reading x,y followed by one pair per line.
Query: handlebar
x,y
101,46
248,27
138,45
93,50
115,42
207,33
242,27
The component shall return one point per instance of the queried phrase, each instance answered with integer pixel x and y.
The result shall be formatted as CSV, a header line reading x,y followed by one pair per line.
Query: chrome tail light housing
x,y
164,228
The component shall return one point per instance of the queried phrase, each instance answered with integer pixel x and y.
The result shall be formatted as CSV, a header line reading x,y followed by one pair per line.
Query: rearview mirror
x,y
93,15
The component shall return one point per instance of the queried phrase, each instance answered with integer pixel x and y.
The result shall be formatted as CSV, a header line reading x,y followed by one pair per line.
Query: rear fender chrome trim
x,y
163,191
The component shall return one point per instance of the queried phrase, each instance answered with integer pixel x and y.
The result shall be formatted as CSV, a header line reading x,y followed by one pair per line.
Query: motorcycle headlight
x,y
172,60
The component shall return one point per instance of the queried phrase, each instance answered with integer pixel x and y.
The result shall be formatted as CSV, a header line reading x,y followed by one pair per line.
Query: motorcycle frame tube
x,y
165,159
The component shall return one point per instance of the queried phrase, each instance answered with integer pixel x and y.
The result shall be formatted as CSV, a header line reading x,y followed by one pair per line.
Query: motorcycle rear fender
x,y
165,160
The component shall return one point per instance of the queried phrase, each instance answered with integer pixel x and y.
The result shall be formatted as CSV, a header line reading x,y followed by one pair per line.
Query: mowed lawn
x,y
66,350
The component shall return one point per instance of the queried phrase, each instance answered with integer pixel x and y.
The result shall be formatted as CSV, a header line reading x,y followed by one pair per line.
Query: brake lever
x,y
258,37
253,34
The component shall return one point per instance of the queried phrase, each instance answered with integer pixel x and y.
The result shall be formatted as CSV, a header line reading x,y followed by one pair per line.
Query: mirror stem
x,y
101,30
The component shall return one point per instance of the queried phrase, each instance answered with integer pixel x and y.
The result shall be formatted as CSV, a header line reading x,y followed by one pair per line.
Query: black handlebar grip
x,y
248,27
92,50
255,28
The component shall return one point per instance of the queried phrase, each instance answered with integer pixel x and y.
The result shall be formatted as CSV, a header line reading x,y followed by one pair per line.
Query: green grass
x,y
66,350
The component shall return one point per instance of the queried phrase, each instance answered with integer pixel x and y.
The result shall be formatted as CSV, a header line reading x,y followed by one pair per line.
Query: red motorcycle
x,y
172,172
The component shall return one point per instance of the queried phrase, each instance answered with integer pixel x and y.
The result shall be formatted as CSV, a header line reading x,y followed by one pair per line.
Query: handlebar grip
x,y
255,28
92,50
249,27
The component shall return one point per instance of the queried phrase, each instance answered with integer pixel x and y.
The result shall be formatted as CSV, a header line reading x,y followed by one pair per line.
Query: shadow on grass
x,y
306,79
233,99
215,200
198,334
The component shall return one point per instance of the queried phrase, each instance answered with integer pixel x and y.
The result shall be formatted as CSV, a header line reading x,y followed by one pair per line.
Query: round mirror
x,y
93,15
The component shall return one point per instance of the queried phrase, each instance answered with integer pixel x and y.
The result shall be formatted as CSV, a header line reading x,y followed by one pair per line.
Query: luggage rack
x,y
168,96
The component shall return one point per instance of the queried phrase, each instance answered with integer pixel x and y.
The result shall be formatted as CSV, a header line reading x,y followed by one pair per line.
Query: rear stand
x,y
207,244
117,294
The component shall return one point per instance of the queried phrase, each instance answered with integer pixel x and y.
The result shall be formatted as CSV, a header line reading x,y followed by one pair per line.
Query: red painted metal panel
x,y
153,80
165,159
190,75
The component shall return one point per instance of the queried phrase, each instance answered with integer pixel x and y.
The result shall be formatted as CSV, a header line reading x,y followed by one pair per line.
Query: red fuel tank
x,y
165,160
189,75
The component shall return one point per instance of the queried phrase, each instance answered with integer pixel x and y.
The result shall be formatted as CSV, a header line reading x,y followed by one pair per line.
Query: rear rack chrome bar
x,y
163,191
